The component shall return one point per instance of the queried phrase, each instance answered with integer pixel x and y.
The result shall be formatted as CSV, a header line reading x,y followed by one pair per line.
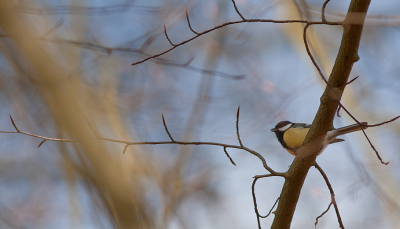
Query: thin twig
x,y
166,129
232,23
129,143
166,35
310,55
237,126
195,69
338,110
255,199
237,10
351,81
12,121
227,154
41,143
323,213
125,148
382,123
270,211
365,134
91,128
332,194
190,26
17,131
323,11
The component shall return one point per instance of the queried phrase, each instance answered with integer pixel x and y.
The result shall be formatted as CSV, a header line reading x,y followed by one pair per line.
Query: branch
x,y
232,23
166,35
188,21
310,55
333,200
323,11
255,200
227,154
322,214
166,129
237,10
34,135
129,143
335,91
365,134
237,127
323,121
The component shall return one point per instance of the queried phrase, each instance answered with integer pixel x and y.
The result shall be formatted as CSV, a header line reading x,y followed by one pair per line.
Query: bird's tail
x,y
351,128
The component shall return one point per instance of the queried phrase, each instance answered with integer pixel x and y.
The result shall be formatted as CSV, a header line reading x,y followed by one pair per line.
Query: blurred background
x,y
65,65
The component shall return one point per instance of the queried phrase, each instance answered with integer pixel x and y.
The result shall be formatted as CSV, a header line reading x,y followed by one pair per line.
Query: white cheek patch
x,y
287,126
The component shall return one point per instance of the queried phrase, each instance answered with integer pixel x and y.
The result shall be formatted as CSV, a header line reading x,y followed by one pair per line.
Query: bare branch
x,y
351,81
333,200
166,128
237,126
237,10
55,27
126,147
369,141
12,121
329,86
323,11
195,69
147,42
190,26
227,154
255,199
166,35
383,123
311,56
34,135
90,127
128,143
323,213
41,143
270,211
337,112
232,23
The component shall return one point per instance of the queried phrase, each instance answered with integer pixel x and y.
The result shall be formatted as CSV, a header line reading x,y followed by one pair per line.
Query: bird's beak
x,y
273,130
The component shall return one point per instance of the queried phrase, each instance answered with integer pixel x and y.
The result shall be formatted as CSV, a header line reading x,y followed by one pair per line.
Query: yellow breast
x,y
294,137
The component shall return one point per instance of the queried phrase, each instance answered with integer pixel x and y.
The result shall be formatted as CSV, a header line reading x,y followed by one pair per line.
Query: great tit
x,y
291,135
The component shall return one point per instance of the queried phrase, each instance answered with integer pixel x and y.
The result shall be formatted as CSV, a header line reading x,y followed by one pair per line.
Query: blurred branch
x,y
101,10
111,50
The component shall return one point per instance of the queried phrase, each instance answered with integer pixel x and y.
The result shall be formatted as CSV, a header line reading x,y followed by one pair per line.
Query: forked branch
x,y
333,200
17,131
255,199
173,141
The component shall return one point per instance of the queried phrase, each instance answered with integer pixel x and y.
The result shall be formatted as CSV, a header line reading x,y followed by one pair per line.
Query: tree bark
x,y
323,121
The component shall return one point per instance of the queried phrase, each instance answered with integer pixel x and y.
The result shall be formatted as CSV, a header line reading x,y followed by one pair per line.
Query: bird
x,y
291,135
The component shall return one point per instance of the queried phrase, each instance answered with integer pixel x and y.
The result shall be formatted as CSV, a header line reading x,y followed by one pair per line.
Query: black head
x,y
280,129
282,126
